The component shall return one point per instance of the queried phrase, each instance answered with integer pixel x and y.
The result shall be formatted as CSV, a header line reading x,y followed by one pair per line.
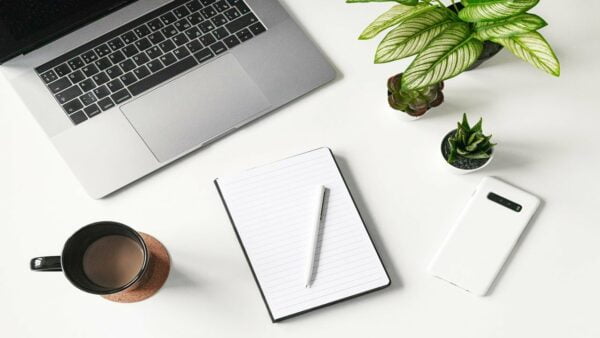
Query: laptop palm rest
x,y
195,108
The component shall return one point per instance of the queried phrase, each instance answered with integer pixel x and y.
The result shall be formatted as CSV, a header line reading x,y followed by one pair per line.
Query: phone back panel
x,y
484,235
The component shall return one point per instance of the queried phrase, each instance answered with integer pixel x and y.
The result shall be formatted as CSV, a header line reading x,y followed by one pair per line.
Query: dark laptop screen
x,y
25,24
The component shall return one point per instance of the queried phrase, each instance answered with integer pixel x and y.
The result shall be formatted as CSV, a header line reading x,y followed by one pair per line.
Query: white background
x,y
548,135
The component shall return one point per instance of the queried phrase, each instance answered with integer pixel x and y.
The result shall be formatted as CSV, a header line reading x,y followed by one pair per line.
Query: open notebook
x,y
271,208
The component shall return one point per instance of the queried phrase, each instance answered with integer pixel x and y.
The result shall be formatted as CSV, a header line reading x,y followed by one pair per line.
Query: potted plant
x,y
448,40
466,149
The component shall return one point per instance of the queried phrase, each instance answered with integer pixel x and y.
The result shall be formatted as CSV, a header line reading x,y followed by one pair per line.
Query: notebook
x,y
270,210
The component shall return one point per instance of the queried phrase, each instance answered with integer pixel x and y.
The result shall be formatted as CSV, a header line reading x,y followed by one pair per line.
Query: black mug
x,y
71,260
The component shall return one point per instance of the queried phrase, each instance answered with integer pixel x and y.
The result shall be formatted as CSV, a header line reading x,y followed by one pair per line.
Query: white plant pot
x,y
402,116
458,171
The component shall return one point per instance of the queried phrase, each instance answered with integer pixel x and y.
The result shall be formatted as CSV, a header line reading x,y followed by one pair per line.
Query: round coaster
x,y
156,276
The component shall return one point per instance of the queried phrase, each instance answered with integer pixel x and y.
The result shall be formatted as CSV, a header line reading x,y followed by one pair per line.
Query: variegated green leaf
x,y
412,35
482,10
518,24
449,54
391,18
533,48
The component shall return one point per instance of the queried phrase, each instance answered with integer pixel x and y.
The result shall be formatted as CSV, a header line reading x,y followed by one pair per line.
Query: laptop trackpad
x,y
195,108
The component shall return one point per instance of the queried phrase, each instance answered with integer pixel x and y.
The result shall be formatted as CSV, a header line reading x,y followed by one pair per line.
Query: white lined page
x,y
271,208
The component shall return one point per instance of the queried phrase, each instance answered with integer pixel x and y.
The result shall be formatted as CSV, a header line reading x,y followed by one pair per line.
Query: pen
x,y
318,215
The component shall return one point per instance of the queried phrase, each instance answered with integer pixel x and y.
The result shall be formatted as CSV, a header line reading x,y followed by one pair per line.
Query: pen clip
x,y
323,204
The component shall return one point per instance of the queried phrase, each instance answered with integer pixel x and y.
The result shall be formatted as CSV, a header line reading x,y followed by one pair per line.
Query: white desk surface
x,y
548,135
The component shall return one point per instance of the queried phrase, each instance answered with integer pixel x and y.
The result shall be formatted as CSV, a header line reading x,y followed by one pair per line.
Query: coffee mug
x,y
110,259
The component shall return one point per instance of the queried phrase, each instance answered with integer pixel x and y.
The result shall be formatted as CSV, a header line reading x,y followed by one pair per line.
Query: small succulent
x,y
414,102
469,142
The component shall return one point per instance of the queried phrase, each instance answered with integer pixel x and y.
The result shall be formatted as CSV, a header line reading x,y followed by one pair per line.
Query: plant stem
x,y
446,8
455,7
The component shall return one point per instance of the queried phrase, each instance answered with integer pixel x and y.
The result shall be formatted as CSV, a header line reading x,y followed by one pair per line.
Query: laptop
x,y
125,87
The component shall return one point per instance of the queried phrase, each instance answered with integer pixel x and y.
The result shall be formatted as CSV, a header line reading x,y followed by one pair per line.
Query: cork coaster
x,y
155,277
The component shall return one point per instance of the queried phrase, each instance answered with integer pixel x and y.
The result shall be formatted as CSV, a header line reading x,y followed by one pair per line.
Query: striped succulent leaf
x,y
412,35
449,54
533,48
518,24
391,18
485,10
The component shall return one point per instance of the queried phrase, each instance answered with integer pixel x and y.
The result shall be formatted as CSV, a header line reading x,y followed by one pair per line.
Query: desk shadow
x,y
179,279
396,280
515,249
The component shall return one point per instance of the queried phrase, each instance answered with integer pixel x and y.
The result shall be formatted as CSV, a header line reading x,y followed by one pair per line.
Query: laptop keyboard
x,y
146,52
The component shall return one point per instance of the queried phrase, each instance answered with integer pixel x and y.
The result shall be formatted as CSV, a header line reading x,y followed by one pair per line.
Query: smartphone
x,y
483,237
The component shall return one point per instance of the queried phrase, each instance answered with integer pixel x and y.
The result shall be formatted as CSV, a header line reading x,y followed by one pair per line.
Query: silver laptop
x,y
125,87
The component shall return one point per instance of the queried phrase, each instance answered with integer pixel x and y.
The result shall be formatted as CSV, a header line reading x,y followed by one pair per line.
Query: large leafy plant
x,y
447,42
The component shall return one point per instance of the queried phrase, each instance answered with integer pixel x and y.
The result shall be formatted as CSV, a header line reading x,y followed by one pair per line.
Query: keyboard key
x,y
231,41
181,12
49,76
155,24
155,66
73,106
180,39
87,85
130,51
76,77
207,2
182,25
127,65
89,56
141,72
181,52
241,23
142,31
114,72
208,12
206,26
106,104
116,57
220,33
68,94
195,18
103,63
168,18
143,44
62,70
116,44
204,55
154,52
115,85
244,35
167,46
257,28
193,5
140,59
90,70
59,85
219,20
121,96
128,78
193,33
218,48
102,50
221,5
194,46
100,78
76,63
167,59
208,39
156,37
101,92
87,99
78,117
129,37
169,31
232,14
163,75
92,110
242,7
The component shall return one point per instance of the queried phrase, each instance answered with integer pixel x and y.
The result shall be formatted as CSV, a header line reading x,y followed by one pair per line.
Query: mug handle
x,y
48,263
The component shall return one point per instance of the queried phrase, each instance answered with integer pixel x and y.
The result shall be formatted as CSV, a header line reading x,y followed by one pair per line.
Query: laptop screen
x,y
25,24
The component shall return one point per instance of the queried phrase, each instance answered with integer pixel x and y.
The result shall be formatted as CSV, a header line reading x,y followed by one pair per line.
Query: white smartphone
x,y
484,235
